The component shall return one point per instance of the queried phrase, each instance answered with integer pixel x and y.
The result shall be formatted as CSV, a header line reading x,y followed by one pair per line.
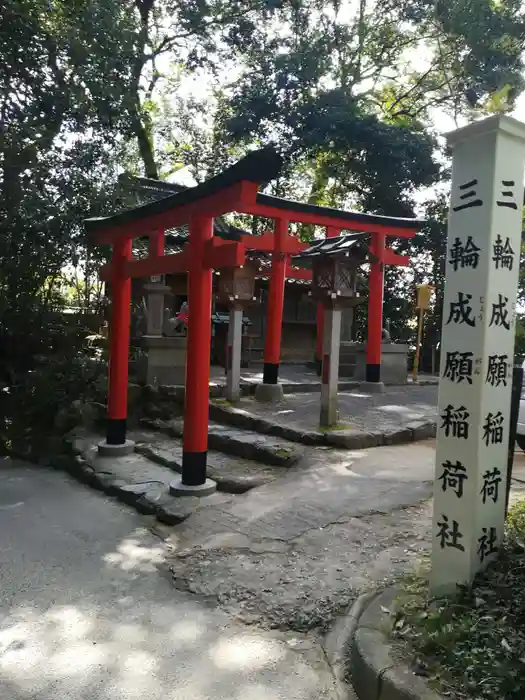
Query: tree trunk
x,y
145,147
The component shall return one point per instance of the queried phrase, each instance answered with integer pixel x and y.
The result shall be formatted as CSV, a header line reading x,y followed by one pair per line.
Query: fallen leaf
x,y
505,645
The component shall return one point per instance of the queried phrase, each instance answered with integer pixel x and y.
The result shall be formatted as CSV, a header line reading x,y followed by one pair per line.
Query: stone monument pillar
x,y
233,357
479,317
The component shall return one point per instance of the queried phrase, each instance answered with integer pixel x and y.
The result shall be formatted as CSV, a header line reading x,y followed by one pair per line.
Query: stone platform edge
x,y
218,389
351,438
370,664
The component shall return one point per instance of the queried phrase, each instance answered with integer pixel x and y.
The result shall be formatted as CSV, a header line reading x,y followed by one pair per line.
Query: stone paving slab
x,y
232,474
238,442
399,415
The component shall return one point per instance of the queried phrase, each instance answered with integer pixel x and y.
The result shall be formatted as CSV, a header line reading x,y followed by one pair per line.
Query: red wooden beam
x,y
162,265
233,198
390,257
294,273
266,243
269,211
219,253
263,243
156,244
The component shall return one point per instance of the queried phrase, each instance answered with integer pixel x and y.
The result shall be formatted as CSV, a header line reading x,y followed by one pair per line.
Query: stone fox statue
x,y
177,325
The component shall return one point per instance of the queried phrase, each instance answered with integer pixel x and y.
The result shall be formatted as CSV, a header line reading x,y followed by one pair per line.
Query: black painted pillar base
x,y
318,366
373,373
193,481
116,430
115,444
271,373
194,468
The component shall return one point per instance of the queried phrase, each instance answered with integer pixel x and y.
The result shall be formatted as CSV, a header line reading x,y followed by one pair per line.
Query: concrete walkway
x,y
85,613
296,552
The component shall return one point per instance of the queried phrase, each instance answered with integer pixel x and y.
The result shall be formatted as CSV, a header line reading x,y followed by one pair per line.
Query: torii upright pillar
x,y
270,389
375,315
197,393
116,443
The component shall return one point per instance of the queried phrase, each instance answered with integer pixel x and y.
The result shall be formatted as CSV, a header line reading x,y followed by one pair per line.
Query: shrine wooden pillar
x,y
270,389
116,443
375,312
196,395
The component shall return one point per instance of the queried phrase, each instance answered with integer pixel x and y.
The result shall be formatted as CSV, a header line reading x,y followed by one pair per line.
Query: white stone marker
x,y
233,358
330,372
477,348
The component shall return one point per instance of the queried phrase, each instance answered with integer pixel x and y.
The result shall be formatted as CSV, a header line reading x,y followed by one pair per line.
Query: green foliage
x,y
54,368
64,90
515,524
472,646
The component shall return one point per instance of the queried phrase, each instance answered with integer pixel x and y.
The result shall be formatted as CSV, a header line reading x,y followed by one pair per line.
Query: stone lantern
x,y
334,263
237,285
236,290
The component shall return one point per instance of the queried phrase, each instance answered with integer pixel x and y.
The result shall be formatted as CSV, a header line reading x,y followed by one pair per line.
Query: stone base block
x,y
177,488
106,450
372,387
269,393
352,362
164,361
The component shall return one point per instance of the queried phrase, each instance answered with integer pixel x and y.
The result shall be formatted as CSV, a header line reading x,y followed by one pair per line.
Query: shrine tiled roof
x,y
257,167
147,189
342,245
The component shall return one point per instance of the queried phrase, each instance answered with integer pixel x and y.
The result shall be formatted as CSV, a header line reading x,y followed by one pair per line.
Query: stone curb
x,y
373,670
353,439
337,642
146,498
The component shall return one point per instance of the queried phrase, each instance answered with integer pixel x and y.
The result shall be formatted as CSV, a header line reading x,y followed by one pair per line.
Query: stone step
x,y
232,474
142,479
238,442
135,480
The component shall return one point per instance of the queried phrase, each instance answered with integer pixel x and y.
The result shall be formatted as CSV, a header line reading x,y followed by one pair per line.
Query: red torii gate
x,y
233,190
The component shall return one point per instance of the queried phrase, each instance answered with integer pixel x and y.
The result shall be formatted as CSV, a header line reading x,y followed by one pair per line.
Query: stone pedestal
x,y
394,357
269,393
164,360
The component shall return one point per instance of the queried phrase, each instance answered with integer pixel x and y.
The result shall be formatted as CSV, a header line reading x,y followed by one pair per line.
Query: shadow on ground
x,y
85,613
